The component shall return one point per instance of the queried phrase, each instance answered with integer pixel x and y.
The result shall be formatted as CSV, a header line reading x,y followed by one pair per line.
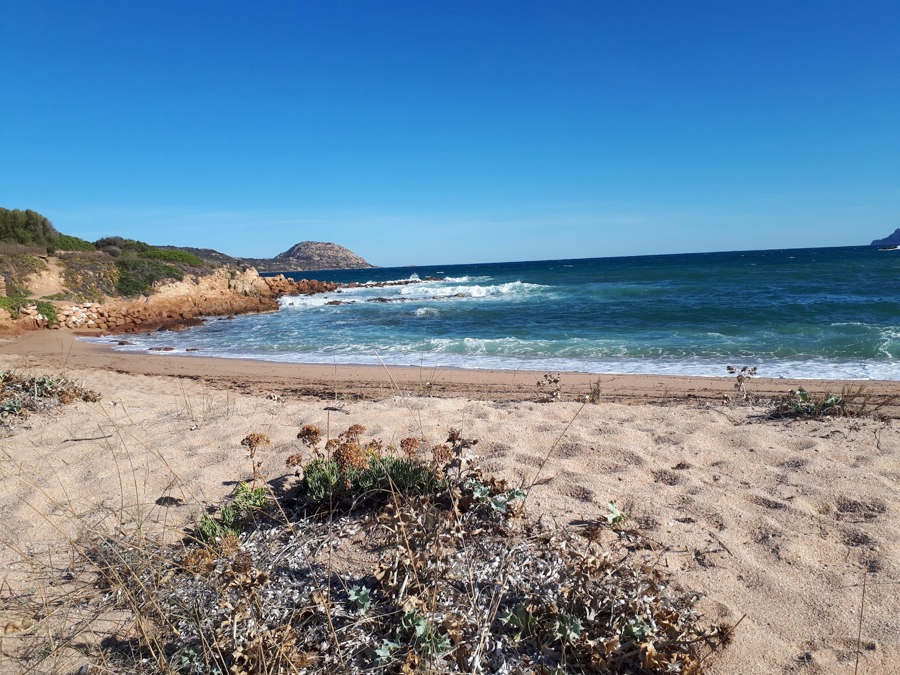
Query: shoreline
x,y
61,350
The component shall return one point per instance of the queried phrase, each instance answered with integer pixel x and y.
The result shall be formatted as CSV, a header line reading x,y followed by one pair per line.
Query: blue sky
x,y
447,132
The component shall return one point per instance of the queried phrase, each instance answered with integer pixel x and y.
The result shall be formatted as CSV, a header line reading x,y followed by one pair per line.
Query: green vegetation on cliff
x,y
107,267
26,227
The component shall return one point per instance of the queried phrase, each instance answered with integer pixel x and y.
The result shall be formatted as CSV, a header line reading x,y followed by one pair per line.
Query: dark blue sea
x,y
807,313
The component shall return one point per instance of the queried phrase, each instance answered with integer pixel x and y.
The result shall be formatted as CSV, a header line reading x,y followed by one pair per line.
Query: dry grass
x,y
412,561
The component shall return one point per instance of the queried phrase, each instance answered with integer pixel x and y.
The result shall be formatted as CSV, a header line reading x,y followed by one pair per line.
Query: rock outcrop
x,y
311,255
890,240
179,304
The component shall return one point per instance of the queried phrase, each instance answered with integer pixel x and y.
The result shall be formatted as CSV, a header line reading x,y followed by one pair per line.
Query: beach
x,y
774,523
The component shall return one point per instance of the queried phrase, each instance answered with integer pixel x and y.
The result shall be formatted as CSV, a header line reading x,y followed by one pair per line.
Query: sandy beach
x,y
775,521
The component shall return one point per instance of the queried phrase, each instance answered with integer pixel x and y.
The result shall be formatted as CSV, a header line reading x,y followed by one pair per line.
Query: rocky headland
x,y
310,255
890,240
172,306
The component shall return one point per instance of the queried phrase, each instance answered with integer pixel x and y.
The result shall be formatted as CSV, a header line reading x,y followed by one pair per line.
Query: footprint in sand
x,y
770,540
856,538
855,510
666,477
570,450
805,444
529,460
578,492
498,450
767,503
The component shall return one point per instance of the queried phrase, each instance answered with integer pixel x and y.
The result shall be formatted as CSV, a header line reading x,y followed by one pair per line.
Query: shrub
x,y
20,395
137,276
26,227
15,304
236,516
173,256
130,245
328,480
67,242
48,310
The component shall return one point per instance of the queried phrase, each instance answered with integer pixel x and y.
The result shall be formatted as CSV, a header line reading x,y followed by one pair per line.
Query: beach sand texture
x,y
774,521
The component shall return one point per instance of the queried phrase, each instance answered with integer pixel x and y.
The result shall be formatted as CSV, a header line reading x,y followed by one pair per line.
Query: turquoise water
x,y
831,312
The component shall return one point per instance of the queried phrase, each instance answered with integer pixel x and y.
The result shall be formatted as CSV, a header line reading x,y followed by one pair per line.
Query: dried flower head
x,y
374,448
441,454
253,441
310,435
350,456
409,446
353,433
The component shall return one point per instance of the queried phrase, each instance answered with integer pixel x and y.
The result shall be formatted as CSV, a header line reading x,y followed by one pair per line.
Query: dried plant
x,y
252,442
21,395
310,435
410,446
594,395
549,388
395,567
741,376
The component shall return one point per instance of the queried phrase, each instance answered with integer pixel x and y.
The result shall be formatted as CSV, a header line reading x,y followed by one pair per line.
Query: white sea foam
x,y
512,288
444,353
466,279
304,300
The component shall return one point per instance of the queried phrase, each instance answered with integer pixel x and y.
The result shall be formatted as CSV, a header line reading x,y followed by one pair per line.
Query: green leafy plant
x,y
496,501
67,242
327,480
137,275
173,256
12,406
614,516
386,649
565,627
361,598
424,638
48,311
26,227
801,403
637,629
520,620
15,305
234,517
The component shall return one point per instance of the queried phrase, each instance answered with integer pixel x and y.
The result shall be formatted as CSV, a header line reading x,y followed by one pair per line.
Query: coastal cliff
x,y
173,305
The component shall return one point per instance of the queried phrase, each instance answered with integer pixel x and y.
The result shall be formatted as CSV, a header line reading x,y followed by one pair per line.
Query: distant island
x,y
310,255
890,240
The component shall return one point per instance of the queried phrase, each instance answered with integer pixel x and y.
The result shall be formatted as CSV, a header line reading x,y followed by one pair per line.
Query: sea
x,y
794,313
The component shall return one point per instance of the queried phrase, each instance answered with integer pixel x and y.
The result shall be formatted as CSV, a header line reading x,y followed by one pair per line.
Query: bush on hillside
x,y
67,242
173,256
122,245
137,275
26,227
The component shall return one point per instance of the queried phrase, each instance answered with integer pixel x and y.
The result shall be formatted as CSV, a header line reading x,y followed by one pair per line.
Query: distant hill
x,y
310,255
890,240
208,255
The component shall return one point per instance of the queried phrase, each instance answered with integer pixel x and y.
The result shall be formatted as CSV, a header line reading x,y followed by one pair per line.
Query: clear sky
x,y
449,131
